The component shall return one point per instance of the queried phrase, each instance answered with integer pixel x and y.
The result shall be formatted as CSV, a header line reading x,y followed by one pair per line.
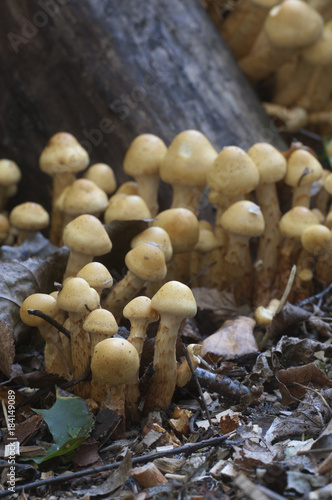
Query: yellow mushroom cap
x,y
40,301
295,221
270,162
63,154
86,234
103,176
29,216
100,321
156,235
302,169
9,172
147,262
126,207
96,274
140,308
144,155
77,296
115,361
316,239
182,227
188,158
82,197
243,218
175,298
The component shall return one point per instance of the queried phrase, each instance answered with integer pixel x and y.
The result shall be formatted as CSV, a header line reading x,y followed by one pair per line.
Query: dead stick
x,y
53,322
188,448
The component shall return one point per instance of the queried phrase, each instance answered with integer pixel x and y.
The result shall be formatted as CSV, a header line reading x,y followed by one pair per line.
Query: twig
x,y
203,271
315,450
188,448
319,296
51,321
202,400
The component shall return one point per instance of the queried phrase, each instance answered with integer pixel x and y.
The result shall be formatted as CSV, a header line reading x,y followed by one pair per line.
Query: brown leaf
x,y
25,431
287,318
289,379
87,455
229,423
235,338
7,348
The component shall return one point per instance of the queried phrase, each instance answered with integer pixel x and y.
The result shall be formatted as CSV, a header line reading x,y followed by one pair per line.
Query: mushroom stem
x,y
80,353
147,188
186,197
122,293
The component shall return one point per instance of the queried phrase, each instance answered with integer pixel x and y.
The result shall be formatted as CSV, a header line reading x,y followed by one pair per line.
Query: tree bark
x,y
107,71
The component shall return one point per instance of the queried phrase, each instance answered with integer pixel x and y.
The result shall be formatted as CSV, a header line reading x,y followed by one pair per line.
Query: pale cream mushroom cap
x,y
156,235
270,162
140,308
87,235
82,197
316,239
188,158
115,361
144,155
128,187
96,274
103,176
77,296
328,183
63,154
126,207
9,172
176,299
233,172
243,218
182,227
320,52
295,221
29,216
100,321
40,301
293,24
302,169
147,262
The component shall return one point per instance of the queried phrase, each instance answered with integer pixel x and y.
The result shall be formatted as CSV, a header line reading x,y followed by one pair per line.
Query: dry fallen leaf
x,y
292,381
235,338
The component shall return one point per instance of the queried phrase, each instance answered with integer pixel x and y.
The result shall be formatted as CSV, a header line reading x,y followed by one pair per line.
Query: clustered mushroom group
x,y
287,44
250,248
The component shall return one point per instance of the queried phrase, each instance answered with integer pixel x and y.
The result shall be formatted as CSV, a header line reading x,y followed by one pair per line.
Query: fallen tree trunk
x,y
107,71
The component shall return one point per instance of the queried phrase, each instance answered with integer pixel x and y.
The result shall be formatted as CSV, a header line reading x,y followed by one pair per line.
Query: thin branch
x,y
188,448
51,321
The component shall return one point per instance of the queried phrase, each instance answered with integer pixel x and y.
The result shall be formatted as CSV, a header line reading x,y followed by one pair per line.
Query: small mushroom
x,y
145,263
115,362
100,324
97,275
140,314
28,218
78,299
184,374
10,175
103,176
174,301
86,238
142,161
126,207
62,158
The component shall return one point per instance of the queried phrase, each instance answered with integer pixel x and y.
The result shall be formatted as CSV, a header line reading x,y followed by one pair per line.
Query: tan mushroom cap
x,y
188,158
126,207
63,154
270,162
96,275
182,227
29,216
293,24
233,172
128,187
86,234
328,183
320,52
40,301
103,176
302,169
295,221
207,241
115,361
176,299
82,197
156,235
144,155
77,296
316,239
100,321
9,172
147,262
140,308
243,218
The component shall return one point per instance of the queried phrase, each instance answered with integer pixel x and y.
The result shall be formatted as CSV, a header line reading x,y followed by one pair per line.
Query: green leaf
x,y
70,423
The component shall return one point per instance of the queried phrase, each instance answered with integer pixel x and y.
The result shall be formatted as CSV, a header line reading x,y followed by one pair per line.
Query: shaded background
x,y
107,71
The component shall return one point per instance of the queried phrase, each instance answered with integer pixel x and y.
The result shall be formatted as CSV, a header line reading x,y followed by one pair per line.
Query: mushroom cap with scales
x,y
97,275
103,176
270,163
175,299
76,296
82,197
126,207
63,154
295,221
188,159
147,262
144,155
157,235
100,322
115,361
243,218
86,234
29,216
182,227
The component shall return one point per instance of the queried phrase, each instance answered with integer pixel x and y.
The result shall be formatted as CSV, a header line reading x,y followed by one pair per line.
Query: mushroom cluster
x,y
287,45
249,247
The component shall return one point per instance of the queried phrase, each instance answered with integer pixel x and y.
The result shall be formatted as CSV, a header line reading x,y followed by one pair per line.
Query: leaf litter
x,y
270,408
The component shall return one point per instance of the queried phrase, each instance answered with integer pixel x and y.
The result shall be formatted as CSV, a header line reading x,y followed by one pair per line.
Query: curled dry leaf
x,y
235,338
287,318
289,380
